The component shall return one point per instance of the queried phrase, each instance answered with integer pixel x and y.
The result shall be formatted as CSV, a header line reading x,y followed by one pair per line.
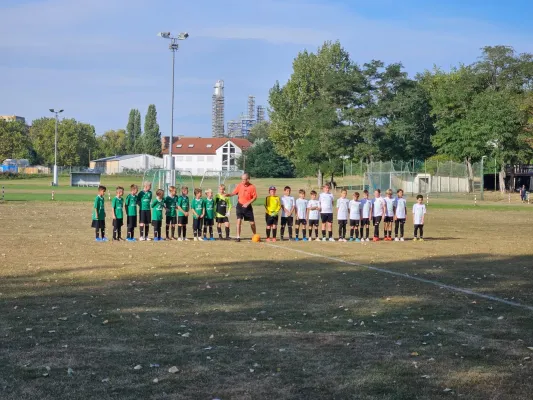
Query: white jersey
x,y
389,206
355,210
365,208
377,206
326,203
401,206
301,208
313,214
287,202
342,209
418,213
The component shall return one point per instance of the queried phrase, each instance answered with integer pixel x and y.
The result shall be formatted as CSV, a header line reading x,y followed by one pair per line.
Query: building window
x,y
211,159
200,158
179,146
179,158
191,146
209,146
188,158
232,150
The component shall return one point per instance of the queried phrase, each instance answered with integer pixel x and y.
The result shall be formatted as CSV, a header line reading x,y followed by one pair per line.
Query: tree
x,y
113,143
74,141
262,161
14,141
152,135
132,131
259,131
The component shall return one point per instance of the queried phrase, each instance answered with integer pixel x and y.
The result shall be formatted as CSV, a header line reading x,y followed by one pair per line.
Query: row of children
x,y
359,213
141,207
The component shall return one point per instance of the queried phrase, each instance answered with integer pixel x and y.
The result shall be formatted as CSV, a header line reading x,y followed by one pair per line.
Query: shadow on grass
x,y
294,329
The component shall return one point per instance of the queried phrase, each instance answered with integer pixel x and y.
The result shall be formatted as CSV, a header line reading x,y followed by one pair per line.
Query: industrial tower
x,y
260,114
218,110
251,107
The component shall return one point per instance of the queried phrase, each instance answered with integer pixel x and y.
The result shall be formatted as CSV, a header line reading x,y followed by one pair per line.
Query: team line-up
x,y
305,215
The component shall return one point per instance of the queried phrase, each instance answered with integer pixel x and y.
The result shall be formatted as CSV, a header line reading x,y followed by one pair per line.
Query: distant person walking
x,y
523,194
247,194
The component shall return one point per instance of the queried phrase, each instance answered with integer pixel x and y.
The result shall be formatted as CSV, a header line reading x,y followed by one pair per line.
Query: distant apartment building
x,y
13,118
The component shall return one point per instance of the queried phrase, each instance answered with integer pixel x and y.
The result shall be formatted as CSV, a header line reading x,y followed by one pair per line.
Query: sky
x,y
97,59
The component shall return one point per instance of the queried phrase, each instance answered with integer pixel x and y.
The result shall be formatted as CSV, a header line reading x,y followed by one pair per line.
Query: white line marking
x,y
414,278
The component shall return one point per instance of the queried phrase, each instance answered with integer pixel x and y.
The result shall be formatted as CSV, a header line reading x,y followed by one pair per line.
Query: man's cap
x,y
272,188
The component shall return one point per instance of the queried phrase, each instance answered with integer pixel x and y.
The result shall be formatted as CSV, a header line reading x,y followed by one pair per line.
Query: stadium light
x,y
173,48
55,179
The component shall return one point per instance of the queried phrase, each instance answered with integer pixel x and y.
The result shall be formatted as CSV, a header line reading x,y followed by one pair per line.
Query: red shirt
x,y
245,192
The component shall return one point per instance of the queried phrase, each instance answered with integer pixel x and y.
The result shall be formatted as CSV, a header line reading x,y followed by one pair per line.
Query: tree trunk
x,y
470,172
501,176
332,182
319,176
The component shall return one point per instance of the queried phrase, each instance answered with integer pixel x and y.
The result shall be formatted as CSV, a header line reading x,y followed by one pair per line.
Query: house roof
x,y
197,145
120,158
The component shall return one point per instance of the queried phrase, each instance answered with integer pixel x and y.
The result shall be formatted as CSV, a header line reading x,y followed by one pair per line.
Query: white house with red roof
x,y
198,155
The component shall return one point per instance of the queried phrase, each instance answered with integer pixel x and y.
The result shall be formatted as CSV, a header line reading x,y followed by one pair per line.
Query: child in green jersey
x,y
222,209
117,205
183,213
99,215
131,212
171,219
158,204
198,211
209,214
145,218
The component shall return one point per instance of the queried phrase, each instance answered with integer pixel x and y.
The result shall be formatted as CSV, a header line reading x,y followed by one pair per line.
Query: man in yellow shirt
x,y
272,207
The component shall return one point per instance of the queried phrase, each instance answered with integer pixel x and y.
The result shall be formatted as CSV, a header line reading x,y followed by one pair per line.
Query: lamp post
x,y
55,180
482,177
173,48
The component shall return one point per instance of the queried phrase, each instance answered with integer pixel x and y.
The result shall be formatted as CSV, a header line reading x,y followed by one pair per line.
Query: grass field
x,y
265,321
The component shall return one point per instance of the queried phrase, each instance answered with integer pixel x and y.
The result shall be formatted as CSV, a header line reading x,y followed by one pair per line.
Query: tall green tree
x,y
259,131
134,133
152,134
15,141
113,142
261,161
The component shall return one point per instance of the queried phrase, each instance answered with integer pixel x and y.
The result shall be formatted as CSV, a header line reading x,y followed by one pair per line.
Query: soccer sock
x,y
97,233
179,231
146,230
172,230
344,230
390,233
227,232
298,232
396,225
290,232
274,232
167,229
362,231
211,232
421,231
323,233
376,231
330,234
119,233
219,230
401,230
184,231
102,232
114,233
340,231
268,232
303,233
310,233
141,231
357,232
282,231
316,233
352,230
367,231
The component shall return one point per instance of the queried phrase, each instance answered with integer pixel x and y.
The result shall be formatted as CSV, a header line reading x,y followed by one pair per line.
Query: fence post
x,y
475,200
509,197
53,195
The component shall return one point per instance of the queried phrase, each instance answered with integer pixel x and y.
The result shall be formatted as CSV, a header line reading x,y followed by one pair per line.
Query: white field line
x,y
414,278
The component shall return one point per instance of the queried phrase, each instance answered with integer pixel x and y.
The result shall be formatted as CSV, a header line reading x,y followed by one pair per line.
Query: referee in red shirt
x,y
247,194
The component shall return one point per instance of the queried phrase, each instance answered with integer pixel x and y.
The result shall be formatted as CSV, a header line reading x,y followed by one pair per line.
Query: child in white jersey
x,y
400,215
378,211
326,212
419,212
366,211
389,215
287,209
313,213
355,217
301,215
342,214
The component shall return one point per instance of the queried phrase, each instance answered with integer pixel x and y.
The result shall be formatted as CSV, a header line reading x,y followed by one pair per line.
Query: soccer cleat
x,y
273,239
401,240
104,239
317,239
200,239
421,239
180,240
296,239
185,239
351,239
267,240
375,239
195,239
304,239
98,239
358,240
238,240
415,239
331,239
324,239
212,239
396,239
147,239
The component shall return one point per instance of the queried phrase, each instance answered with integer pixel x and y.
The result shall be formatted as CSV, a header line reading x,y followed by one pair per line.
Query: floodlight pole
x,y
174,46
55,178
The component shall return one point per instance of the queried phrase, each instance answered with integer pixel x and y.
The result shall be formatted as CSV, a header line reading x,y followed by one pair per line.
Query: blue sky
x,y
97,59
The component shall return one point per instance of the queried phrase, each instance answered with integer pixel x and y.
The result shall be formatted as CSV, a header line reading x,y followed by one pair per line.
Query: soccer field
x,y
387,320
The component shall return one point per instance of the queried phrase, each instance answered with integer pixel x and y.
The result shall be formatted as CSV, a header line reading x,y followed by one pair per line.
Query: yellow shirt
x,y
272,205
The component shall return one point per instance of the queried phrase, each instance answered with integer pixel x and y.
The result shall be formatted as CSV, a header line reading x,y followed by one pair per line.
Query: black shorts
x,y
354,222
271,219
400,220
287,221
365,222
313,222
171,220
326,217
132,221
197,224
145,216
208,221
388,219
222,220
118,222
183,220
156,223
376,220
98,223
245,213
301,222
